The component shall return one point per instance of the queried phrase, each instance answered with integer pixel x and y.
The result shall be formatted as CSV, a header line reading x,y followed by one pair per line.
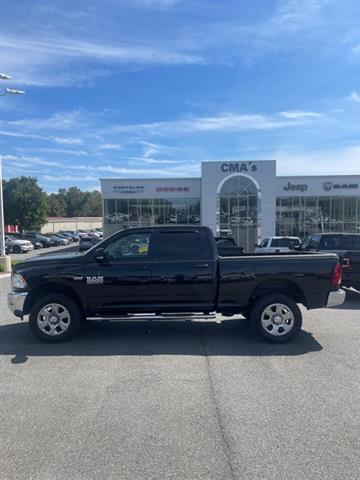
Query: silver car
x,y
17,245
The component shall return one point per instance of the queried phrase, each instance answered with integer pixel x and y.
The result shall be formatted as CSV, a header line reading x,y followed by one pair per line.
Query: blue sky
x,y
150,88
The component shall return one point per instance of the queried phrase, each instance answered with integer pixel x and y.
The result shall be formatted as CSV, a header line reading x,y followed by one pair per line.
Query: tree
x,y
57,205
92,206
25,203
75,201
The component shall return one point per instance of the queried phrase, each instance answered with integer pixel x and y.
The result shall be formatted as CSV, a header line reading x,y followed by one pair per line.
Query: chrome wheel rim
x,y
277,319
53,319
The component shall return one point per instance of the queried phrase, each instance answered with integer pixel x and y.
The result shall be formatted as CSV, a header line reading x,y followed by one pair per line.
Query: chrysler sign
x,y
128,188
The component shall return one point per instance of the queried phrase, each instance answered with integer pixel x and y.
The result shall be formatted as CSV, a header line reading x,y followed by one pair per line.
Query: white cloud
x,y
23,135
44,61
318,162
62,151
354,96
55,178
92,188
68,140
356,49
58,121
61,140
299,114
110,146
157,4
181,170
29,160
224,122
152,160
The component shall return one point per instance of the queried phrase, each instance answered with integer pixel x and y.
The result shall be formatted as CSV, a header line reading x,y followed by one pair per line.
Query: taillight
x,y
336,275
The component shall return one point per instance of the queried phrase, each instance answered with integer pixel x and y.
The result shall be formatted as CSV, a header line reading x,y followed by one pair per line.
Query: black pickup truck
x,y
162,270
346,246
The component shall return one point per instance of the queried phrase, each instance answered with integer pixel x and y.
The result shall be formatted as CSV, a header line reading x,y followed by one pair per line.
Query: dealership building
x,y
244,199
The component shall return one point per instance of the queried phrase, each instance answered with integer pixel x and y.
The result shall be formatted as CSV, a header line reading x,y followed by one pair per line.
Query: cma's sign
x,y
295,187
238,167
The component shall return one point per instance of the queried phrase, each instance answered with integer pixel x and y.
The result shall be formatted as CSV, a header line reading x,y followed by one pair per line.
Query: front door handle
x,y
201,265
140,267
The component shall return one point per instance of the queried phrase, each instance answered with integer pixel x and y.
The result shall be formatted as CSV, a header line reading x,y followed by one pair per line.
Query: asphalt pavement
x,y
149,401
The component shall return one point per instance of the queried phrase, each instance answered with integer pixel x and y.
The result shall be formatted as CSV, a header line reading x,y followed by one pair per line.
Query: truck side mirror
x,y
100,255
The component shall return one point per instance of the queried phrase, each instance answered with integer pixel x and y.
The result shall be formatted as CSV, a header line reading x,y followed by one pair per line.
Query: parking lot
x,y
74,247
181,401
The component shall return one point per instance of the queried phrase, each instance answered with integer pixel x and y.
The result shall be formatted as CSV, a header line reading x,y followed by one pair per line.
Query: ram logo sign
x,y
327,186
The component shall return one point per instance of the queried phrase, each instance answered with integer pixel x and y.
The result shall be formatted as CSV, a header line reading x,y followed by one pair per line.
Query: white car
x,y
16,245
278,245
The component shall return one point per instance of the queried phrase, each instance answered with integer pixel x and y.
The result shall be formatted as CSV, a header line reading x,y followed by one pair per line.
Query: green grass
x,y
13,262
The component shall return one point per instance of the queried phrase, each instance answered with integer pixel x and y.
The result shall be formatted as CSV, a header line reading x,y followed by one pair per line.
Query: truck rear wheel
x,y
55,318
276,317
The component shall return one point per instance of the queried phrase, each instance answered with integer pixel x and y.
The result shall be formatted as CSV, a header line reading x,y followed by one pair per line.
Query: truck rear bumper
x,y
16,302
336,298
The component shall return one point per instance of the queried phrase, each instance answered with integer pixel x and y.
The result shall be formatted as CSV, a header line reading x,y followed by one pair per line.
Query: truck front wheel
x,y
55,318
276,317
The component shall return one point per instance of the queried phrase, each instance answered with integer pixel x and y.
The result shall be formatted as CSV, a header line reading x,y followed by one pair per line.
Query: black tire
x,y
74,321
16,249
280,333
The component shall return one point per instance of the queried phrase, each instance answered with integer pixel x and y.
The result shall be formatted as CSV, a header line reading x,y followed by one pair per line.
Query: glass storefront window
x,y
302,216
133,212
238,211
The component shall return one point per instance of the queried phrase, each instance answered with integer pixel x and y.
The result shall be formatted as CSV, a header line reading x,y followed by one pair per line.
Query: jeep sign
x,y
298,187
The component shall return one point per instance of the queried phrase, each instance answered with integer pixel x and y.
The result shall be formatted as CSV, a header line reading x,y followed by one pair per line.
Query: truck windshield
x,y
285,242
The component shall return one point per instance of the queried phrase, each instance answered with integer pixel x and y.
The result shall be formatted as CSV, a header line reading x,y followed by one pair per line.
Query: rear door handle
x,y
201,265
140,267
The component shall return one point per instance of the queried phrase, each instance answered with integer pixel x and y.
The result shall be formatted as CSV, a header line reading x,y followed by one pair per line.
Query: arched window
x,y
238,211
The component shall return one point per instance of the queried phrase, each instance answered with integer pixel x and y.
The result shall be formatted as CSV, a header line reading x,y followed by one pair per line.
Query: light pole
x,y
5,260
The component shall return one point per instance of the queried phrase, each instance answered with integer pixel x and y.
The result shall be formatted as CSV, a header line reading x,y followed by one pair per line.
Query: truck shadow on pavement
x,y
231,338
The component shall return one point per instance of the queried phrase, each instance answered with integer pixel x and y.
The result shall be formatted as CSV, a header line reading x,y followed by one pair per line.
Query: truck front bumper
x,y
16,302
336,298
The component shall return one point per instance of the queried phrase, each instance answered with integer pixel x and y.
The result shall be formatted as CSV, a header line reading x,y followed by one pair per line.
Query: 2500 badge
x,y
95,280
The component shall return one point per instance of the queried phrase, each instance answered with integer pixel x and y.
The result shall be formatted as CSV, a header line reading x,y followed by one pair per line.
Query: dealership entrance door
x,y
238,211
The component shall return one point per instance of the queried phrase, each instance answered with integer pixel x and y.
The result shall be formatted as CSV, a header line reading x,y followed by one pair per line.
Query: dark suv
x,y
37,238
346,245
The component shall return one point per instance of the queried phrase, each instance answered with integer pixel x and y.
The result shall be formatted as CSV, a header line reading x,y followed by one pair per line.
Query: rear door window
x,y
182,245
336,242
356,242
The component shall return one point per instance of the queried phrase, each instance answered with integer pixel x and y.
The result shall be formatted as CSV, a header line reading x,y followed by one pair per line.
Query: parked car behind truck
x,y
346,245
179,271
278,245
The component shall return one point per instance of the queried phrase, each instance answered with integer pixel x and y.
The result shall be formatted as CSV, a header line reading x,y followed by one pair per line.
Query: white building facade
x,y
244,199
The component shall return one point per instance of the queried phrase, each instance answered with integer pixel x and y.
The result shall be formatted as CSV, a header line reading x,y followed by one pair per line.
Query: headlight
x,y
18,281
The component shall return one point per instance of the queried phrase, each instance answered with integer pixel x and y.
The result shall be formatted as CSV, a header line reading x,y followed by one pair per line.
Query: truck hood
x,y
59,259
